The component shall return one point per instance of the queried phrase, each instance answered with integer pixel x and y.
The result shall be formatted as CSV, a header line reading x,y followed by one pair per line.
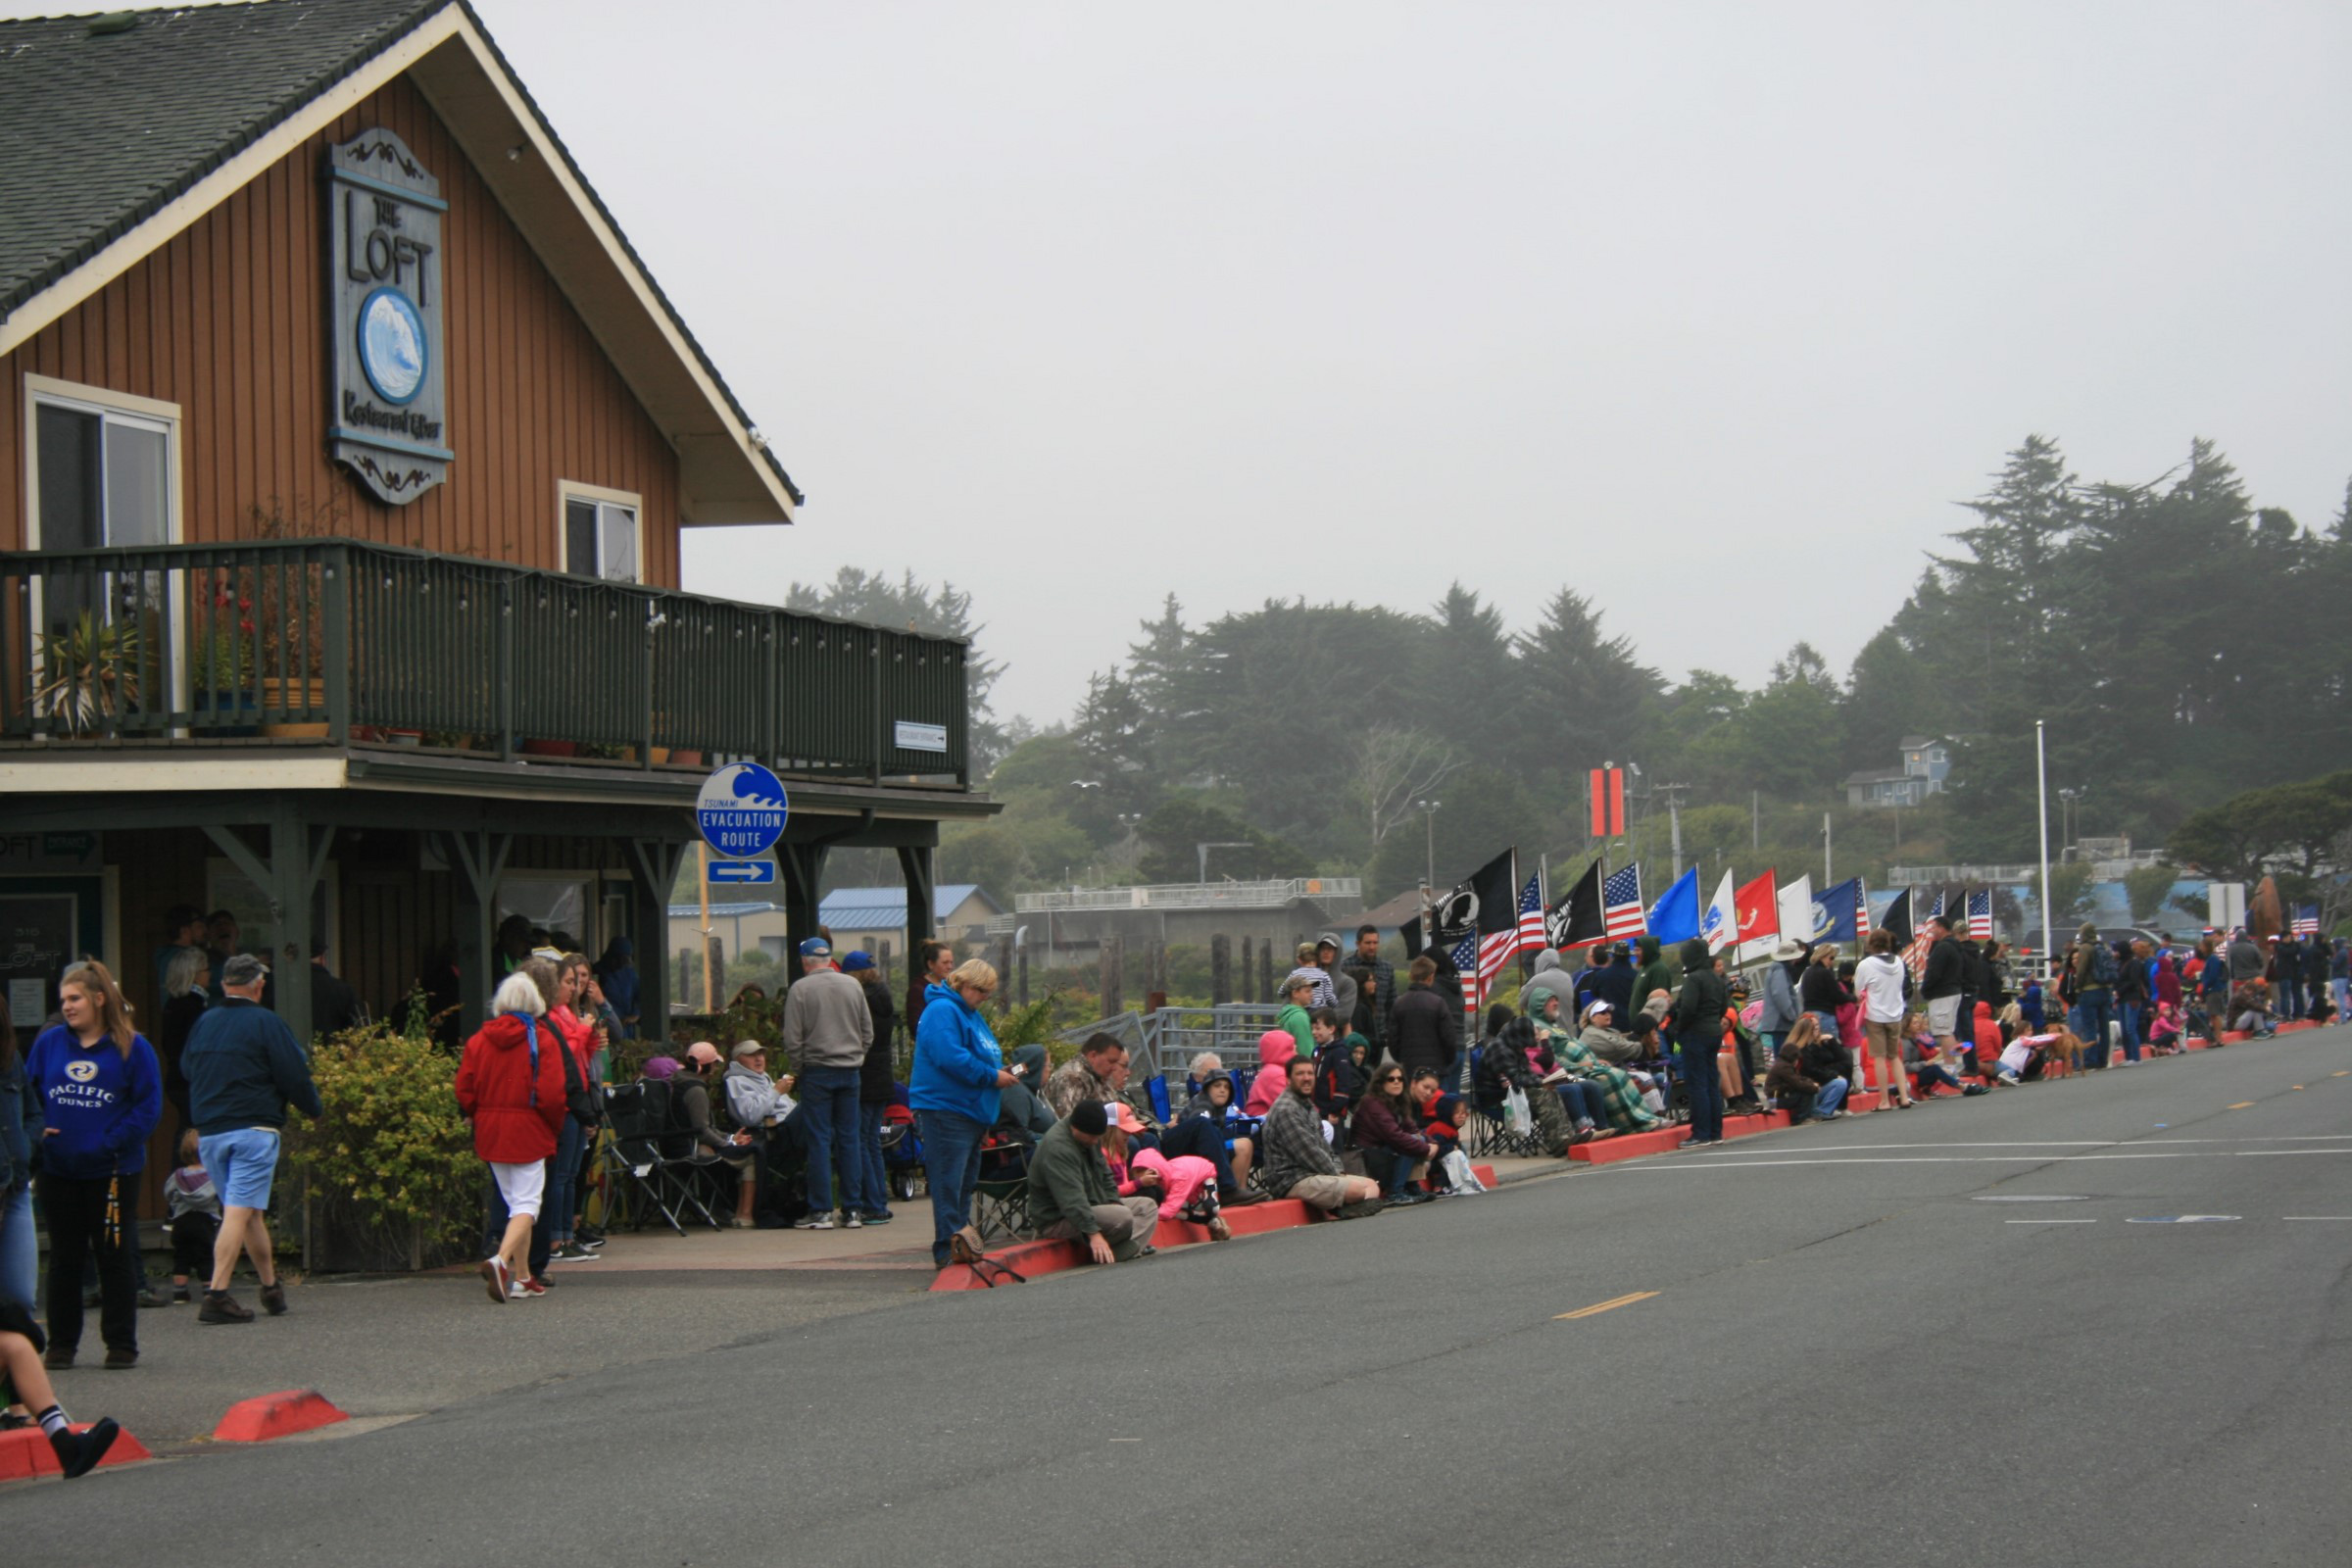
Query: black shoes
x,y
119,1359
221,1307
78,1452
273,1299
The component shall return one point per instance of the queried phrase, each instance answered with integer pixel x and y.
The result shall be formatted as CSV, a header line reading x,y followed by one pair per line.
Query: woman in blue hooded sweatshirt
x,y
953,1091
101,1092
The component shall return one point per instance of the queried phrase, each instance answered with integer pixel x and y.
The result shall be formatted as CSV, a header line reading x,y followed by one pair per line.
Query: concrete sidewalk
x,y
388,1347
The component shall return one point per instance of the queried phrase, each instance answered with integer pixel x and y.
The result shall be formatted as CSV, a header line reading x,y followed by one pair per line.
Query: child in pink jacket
x,y
1186,1186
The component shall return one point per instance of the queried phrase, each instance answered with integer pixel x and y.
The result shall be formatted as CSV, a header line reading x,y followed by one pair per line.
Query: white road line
x,y
1970,1159
2332,1220
2049,1222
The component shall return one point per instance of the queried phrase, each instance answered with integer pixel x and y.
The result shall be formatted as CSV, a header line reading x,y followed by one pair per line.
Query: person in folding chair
x,y
1073,1197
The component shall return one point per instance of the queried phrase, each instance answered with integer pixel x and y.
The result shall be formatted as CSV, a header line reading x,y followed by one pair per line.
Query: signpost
x,y
741,812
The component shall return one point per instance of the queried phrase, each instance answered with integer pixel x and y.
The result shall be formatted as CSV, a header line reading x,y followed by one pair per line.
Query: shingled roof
x,y
109,117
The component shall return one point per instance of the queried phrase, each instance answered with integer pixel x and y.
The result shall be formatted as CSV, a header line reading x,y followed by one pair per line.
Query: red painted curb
x,y
1633,1145
27,1453
268,1416
1033,1258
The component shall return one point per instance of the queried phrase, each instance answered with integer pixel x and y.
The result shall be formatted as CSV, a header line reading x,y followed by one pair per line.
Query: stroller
x,y
902,1146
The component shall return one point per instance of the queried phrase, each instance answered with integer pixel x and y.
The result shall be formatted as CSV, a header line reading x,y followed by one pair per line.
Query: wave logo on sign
x,y
742,810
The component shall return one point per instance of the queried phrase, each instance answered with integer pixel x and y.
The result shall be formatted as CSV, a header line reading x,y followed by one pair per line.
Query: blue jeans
x,y
1704,1088
2290,998
829,1118
1831,1096
564,1181
2130,1018
17,1248
2093,1010
1584,1103
952,1169
1399,1175
874,1180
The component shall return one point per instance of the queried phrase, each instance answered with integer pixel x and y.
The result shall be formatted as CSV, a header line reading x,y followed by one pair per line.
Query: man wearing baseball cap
x,y
244,1068
826,1031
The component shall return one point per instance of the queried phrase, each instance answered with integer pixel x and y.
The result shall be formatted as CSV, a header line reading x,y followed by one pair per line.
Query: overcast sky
x,y
1710,311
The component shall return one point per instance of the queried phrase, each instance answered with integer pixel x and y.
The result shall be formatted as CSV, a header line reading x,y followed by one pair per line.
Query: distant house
x,y
1927,762
866,917
857,917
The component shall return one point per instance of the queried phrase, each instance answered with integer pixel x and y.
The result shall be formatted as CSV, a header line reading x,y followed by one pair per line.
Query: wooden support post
x,y
1115,957
1220,968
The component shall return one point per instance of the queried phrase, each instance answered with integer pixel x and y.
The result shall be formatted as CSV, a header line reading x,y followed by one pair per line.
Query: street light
x,y
1429,823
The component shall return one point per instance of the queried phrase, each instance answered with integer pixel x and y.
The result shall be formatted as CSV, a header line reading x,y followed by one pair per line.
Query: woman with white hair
x,y
511,1084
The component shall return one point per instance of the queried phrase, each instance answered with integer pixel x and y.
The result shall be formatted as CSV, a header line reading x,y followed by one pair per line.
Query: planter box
x,y
536,748
294,694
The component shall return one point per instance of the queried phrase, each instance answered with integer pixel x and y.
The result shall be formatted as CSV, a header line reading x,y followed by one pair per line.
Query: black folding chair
x,y
644,1151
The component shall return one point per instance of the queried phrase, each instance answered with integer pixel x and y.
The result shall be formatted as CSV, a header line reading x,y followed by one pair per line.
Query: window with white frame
x,y
600,533
105,466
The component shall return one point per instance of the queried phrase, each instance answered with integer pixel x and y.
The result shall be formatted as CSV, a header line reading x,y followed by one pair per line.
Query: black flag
x,y
1897,920
1577,919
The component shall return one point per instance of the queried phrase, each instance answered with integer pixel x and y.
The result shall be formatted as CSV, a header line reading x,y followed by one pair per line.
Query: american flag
x,y
1980,914
1531,917
1620,903
1915,955
2306,923
1465,964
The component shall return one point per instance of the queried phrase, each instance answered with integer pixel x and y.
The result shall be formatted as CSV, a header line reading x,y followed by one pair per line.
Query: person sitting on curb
x,y
1275,1054
1298,1160
1790,1089
244,1068
1215,1105
24,1382
1071,1195
1823,1057
1384,1128
1185,1185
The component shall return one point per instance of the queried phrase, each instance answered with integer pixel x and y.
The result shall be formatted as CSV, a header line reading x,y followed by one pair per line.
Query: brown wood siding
x,y
228,321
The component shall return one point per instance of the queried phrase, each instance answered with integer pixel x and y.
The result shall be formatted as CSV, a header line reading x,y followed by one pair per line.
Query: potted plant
x,y
220,667
90,674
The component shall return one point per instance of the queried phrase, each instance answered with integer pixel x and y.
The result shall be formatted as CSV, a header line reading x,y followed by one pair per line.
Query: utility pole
x,y
2041,771
1429,823
702,858
1828,877
1674,820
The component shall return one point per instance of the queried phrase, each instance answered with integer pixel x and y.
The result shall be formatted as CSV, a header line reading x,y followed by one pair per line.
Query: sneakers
x,y
571,1252
497,1278
588,1236
849,1220
1218,1230
273,1299
879,1216
813,1222
221,1307
528,1288
78,1452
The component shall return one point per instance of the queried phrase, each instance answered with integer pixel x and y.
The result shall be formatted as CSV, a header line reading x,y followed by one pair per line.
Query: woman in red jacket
x,y
511,1083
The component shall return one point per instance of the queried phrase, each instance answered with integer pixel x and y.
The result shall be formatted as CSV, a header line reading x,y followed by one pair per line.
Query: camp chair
x,y
1001,1197
633,1157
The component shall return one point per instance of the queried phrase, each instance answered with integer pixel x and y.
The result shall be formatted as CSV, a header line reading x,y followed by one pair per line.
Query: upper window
x,y
105,466
600,533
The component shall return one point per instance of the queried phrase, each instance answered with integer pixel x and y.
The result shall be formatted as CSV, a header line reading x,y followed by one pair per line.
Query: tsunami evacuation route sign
x,y
741,812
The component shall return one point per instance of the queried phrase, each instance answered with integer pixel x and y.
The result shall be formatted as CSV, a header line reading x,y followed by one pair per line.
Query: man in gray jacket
x,y
827,1030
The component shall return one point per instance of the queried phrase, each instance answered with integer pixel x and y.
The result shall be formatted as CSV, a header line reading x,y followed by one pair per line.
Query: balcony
x,y
343,643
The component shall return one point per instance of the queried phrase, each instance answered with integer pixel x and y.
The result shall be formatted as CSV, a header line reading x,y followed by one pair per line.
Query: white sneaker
x,y
849,1220
813,1222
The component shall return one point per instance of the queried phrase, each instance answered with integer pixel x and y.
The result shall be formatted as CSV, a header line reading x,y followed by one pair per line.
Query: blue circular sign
x,y
393,352
742,810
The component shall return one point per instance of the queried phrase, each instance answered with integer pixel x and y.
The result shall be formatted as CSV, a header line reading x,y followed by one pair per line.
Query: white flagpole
x,y
2041,769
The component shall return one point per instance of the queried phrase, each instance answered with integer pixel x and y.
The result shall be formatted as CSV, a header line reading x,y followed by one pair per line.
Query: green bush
x,y
390,1164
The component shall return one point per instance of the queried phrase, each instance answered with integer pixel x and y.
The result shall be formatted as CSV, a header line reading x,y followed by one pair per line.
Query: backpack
x,y
2102,965
579,1096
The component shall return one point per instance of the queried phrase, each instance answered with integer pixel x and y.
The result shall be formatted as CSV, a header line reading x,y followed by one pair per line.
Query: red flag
x,y
1759,907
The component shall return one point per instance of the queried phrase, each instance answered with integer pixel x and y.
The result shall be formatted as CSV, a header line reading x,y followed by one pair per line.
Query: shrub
x,y
390,1164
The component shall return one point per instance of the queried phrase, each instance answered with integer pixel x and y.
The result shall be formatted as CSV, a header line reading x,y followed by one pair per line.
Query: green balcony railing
x,y
340,641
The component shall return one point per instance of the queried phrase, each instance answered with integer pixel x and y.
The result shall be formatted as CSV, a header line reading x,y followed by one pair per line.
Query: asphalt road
x,y
1851,1355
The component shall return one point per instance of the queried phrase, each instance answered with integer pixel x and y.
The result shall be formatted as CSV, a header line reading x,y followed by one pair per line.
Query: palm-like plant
x,y
89,673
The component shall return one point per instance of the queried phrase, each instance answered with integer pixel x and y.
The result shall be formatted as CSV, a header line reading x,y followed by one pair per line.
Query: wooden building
x,y
345,444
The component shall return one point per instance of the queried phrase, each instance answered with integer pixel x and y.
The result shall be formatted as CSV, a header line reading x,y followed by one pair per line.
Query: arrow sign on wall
x,y
743,872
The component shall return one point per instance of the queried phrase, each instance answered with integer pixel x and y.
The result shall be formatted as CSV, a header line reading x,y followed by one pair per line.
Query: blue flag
x,y
1835,912
1675,916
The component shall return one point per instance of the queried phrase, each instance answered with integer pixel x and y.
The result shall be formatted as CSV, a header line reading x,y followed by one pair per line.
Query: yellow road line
x,y
1606,1306
2243,1104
